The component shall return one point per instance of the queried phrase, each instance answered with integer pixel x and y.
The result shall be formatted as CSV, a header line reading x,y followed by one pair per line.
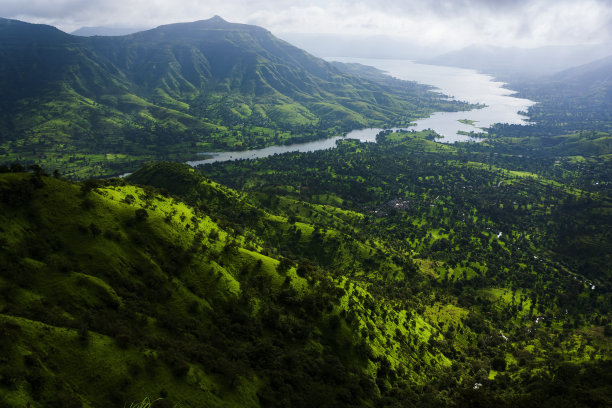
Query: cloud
x,y
454,23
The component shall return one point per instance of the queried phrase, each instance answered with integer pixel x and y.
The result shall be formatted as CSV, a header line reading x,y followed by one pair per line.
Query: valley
x,y
492,103
382,269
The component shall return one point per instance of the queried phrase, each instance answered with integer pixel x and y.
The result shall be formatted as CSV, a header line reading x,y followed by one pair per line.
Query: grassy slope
x,y
102,305
225,304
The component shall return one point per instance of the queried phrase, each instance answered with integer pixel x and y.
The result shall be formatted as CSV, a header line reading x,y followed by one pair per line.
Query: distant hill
x,y
572,85
578,98
512,63
106,31
595,73
163,92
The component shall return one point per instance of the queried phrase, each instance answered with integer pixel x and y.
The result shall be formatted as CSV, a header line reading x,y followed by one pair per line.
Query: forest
x,y
398,272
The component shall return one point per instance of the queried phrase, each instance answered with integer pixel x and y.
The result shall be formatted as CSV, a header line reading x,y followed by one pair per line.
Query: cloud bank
x,y
457,23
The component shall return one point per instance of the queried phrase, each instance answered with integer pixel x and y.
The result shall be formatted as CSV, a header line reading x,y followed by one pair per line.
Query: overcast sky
x,y
454,24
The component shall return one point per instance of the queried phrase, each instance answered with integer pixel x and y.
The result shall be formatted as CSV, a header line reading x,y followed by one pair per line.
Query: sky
x,y
445,23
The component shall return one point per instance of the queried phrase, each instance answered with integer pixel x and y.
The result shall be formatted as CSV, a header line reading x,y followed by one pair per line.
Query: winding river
x,y
458,83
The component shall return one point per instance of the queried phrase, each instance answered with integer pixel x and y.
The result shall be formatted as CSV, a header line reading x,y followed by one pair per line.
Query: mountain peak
x,y
214,23
217,19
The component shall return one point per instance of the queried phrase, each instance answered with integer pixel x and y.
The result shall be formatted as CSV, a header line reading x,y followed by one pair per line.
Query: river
x,y
458,83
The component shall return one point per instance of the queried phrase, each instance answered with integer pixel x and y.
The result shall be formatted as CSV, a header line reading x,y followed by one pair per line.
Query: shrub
x,y
334,322
89,185
141,214
17,168
64,400
17,193
94,229
498,364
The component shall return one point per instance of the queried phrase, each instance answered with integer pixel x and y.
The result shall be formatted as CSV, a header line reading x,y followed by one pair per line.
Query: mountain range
x,y
585,91
561,78
208,84
521,63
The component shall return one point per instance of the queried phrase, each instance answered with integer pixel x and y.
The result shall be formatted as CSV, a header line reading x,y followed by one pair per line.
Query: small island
x,y
468,122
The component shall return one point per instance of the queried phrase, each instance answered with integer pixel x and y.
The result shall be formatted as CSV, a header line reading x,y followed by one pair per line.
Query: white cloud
x,y
453,23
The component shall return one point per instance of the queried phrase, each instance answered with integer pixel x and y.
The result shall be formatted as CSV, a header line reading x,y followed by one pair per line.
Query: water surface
x,y
363,135
461,84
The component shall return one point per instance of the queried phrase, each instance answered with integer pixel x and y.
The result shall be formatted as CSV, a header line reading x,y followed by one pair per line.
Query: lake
x,y
461,84
458,83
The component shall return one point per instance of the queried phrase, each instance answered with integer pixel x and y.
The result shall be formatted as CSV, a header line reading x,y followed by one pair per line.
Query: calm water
x,y
458,83
364,135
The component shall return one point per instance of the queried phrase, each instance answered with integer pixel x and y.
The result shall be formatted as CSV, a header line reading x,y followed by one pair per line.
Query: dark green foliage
x,y
18,192
498,364
89,184
17,168
162,403
141,214
63,400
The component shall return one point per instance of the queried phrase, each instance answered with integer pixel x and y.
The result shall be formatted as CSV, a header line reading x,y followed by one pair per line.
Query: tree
x,y
141,214
498,364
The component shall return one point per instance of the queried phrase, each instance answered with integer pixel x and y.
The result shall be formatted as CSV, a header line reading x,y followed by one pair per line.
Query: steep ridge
x,y
161,93
327,236
40,61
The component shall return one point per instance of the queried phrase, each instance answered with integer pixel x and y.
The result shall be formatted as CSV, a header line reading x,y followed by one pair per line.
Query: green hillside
x,y
508,231
112,293
186,290
93,106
